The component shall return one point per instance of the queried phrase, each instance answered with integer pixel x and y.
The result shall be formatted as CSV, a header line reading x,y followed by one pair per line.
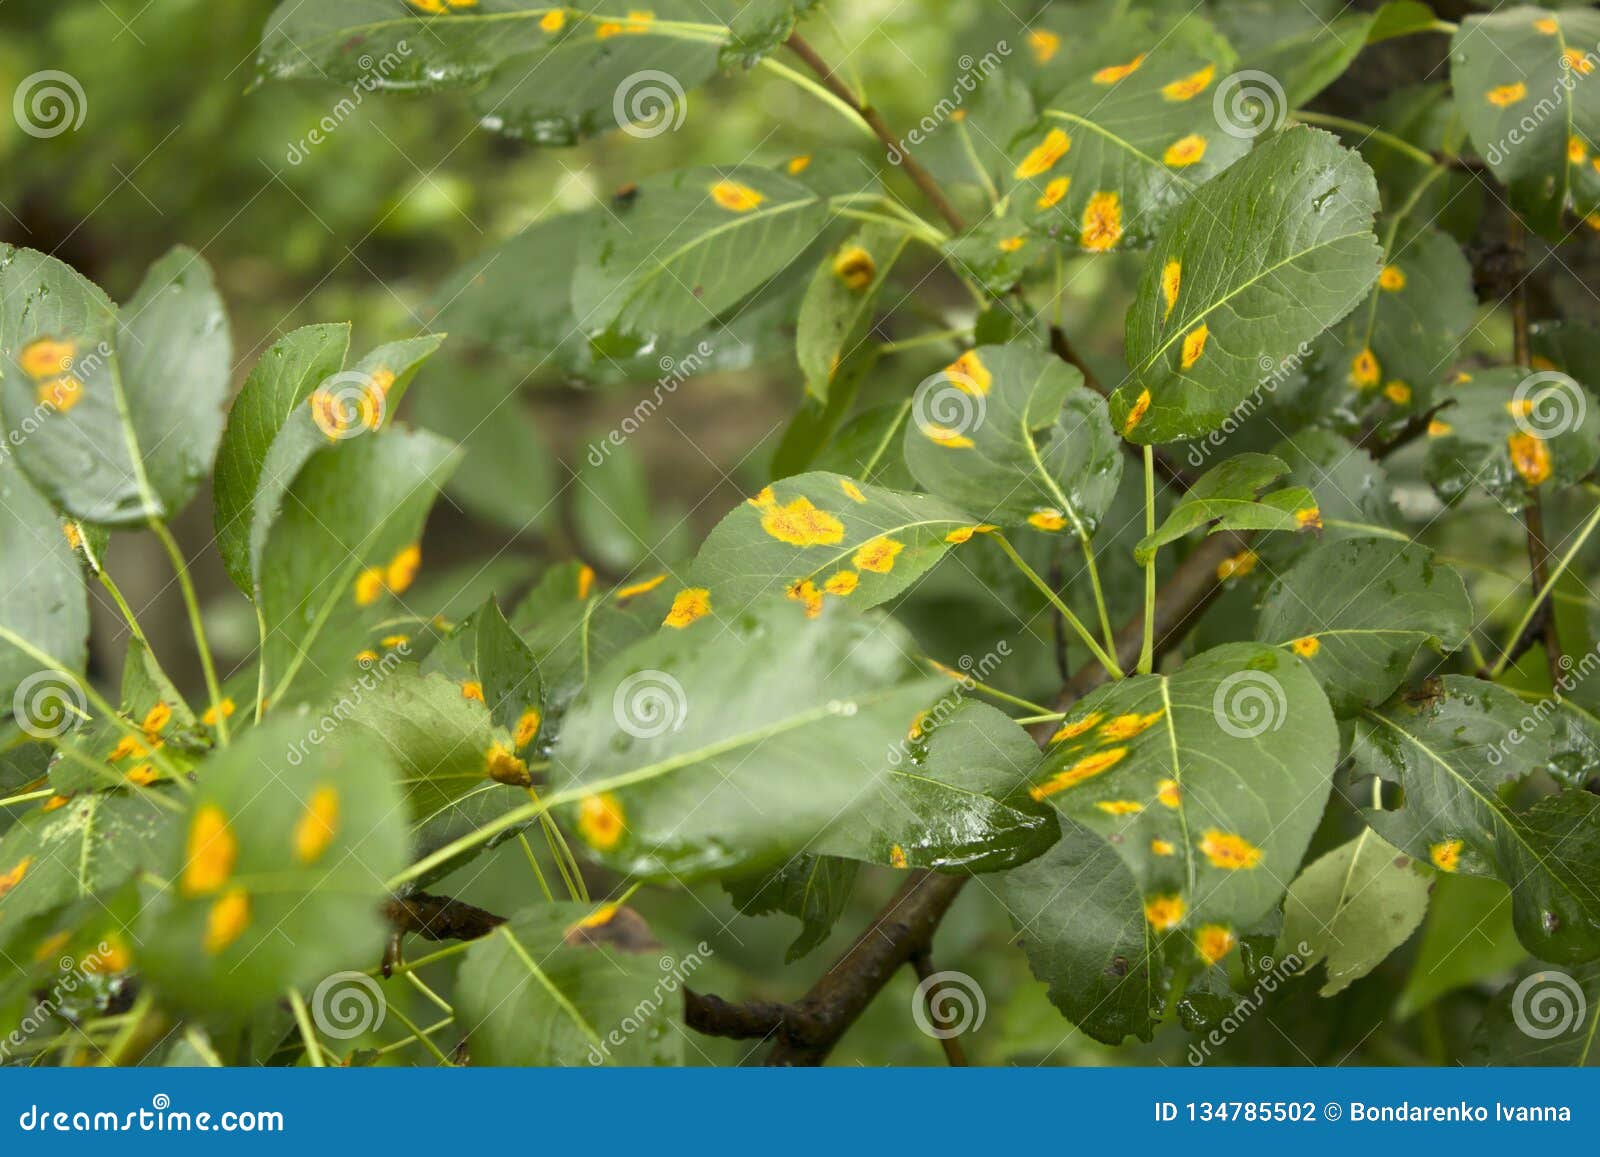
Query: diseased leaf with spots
x,y
838,305
573,984
1358,611
1226,497
819,538
813,889
1013,435
1515,434
1258,261
952,798
1353,907
1453,750
1208,782
694,752
1521,79
276,879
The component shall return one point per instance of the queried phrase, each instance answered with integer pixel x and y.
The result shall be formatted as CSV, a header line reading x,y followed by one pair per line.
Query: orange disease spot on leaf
x,y
60,394
1506,94
1164,913
1160,847
402,569
1053,192
1578,60
852,491
228,918
643,587
143,774
1547,25
1230,851
855,267
963,534
585,581
1238,566
317,826
1116,72
1012,244
801,523
502,766
155,719
369,586
1077,727
1086,768
600,820
1047,520
1127,726
1102,223
878,555
1530,457
798,164
1213,942
227,707
1191,85
690,604
1194,344
1120,807
211,852
553,21
897,856
12,876
735,197
47,357
1364,370
805,592
969,375
1141,406
1446,856
1044,156
1577,151
1306,647
1171,282
527,729
1185,151
1044,44
472,689
842,583
1398,392
1169,794
1438,428
1393,279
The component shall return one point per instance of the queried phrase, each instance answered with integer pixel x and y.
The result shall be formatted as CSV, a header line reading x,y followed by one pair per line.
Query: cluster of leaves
x,y
760,714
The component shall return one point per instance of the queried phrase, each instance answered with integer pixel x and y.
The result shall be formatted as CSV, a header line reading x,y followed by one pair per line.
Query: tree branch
x,y
433,918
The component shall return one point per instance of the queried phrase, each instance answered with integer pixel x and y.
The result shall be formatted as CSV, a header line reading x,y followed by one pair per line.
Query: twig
x,y
433,918
922,962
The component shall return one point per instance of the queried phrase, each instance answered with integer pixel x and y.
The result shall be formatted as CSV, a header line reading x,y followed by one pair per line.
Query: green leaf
x,y
1226,497
1549,1017
1452,750
344,545
1267,256
813,889
1080,920
1511,432
689,245
278,881
1311,47
279,382
1208,782
951,798
1012,434
45,604
694,752
867,447
820,538
569,984
1354,494
1519,79
509,676
1466,939
1121,144
837,307
121,412
1353,907
1358,611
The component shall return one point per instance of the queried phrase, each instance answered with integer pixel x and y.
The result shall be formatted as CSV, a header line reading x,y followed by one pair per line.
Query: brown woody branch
x,y
433,918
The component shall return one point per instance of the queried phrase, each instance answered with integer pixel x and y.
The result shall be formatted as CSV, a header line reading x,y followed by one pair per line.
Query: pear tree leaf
x,y
838,303
1226,497
813,889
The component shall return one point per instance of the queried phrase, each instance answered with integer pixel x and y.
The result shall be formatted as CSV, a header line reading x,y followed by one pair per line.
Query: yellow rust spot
x,y
1045,155
1438,428
60,394
155,719
689,605
1128,726
855,267
1364,370
390,642
1116,72
317,826
1102,223
54,802
852,491
1547,25
1310,518
842,583
962,534
1393,279
1530,457
112,956
1189,86
1398,392
74,535
1077,727
1044,45
126,746
1141,406
527,729
1194,344
226,708
1047,520
585,581
798,164
599,918
1185,151
805,592
12,876
600,820
800,523
762,499
1213,942
1163,913
1446,855
1171,282
367,656
1120,807
897,856
553,21
1238,566
228,918
1086,768
1229,851
1306,646
502,766
878,555
1053,192
1579,61
735,197
949,438
402,569
472,689
47,357
369,586
211,852
1012,244
143,774
969,375
1577,151
1506,94
644,587
1159,847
